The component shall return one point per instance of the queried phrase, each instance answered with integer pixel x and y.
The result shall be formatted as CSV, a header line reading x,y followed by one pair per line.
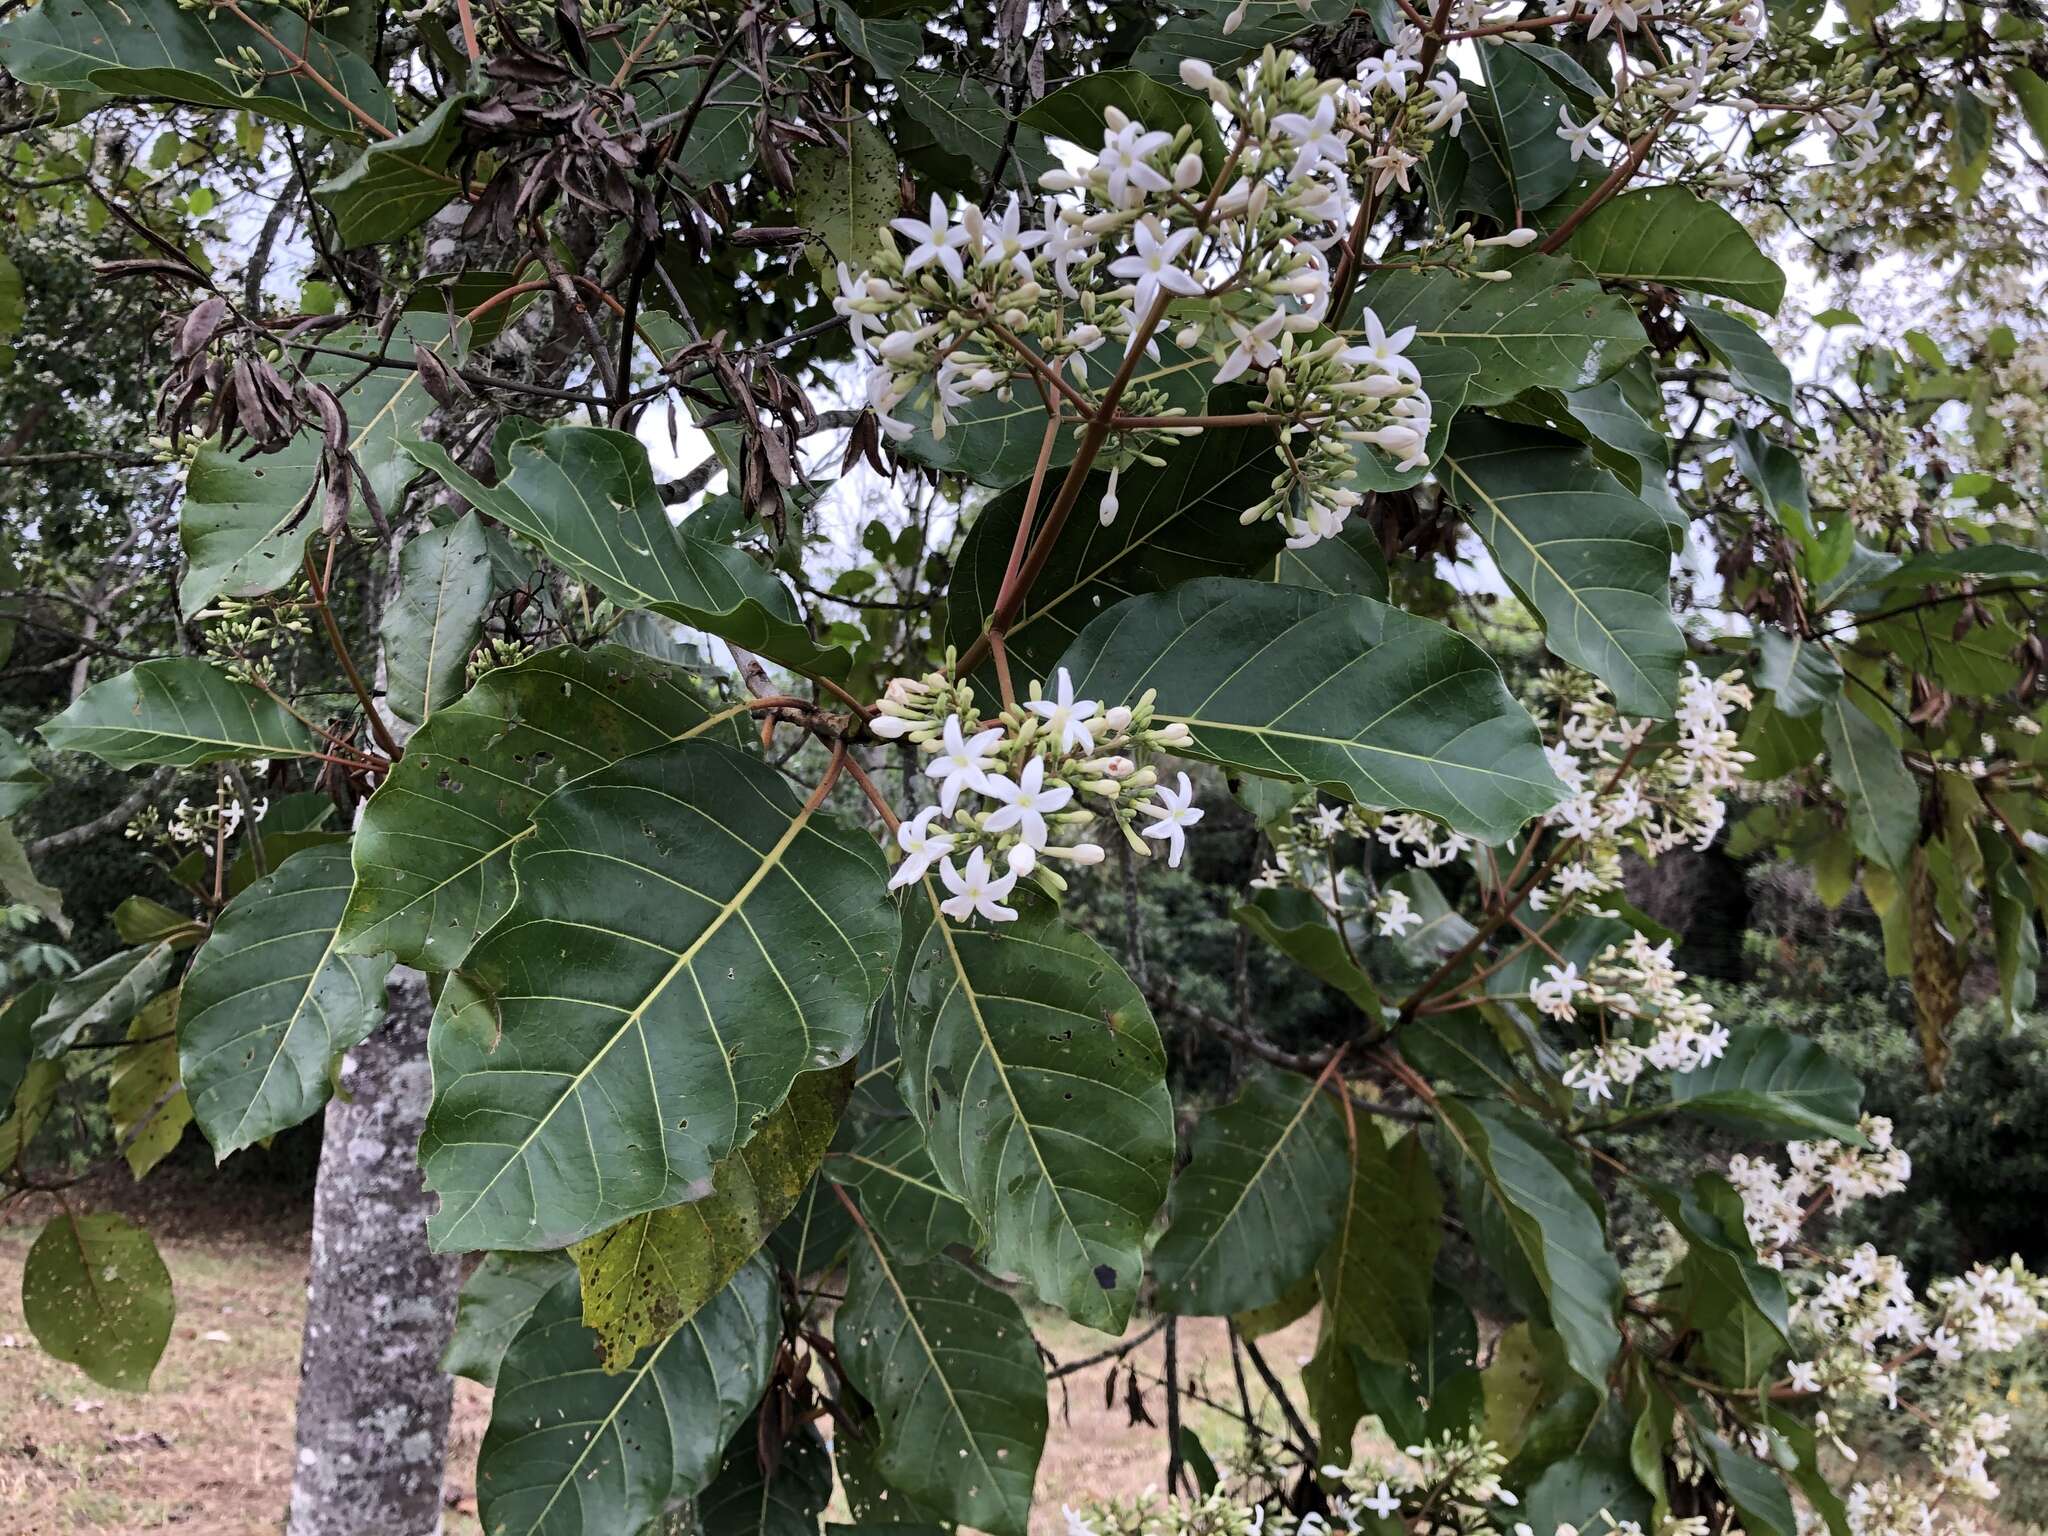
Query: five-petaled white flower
x,y
1316,132
922,847
1025,802
1009,241
1381,350
936,240
1449,106
963,762
1152,267
975,892
1256,346
1065,716
1396,915
1555,993
1174,814
1127,150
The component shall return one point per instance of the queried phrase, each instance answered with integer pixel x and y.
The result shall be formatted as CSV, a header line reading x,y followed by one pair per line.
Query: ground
x,y
209,1446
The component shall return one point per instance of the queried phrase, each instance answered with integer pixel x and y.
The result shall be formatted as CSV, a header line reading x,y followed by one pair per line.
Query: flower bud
x,y
889,727
1196,75
1187,174
1022,859
1118,718
1085,853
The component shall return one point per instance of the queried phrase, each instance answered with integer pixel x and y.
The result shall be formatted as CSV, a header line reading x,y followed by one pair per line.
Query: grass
x,y
209,1447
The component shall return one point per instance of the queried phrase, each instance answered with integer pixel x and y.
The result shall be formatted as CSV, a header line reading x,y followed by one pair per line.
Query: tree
x,y
1348,357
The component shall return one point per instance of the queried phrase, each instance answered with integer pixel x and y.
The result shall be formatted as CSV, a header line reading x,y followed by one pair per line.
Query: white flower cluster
x,y
1633,984
1230,260
1007,786
198,826
1870,1339
1625,792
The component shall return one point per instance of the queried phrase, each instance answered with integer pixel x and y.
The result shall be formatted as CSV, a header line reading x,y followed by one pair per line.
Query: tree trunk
x,y
373,1399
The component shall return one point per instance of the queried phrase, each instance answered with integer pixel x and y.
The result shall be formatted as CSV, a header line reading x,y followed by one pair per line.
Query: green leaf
x,y
900,1191
139,920
1299,1301
147,1106
1756,1490
157,48
954,1376
96,1295
1769,1082
1780,743
433,856
1517,122
18,882
1536,1409
1196,29
2030,90
1550,1219
1592,560
652,1272
1173,524
429,629
787,1500
1773,472
1875,784
587,497
270,1004
669,910
1375,1276
1746,355
246,522
178,710
2014,942
1076,111
1350,565
1295,924
814,1235
2006,562
967,120
846,198
101,998
1802,674
1667,235
1546,327
1036,1070
18,1014
572,1449
1574,1491
397,184
1263,1194
1737,1304
497,1299
20,780
1365,701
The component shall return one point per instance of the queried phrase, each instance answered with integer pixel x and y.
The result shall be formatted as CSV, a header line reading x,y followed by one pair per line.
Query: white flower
x,y
974,892
1127,150
1554,995
1583,140
1255,346
935,239
1396,915
1805,1376
1077,1523
1152,267
1449,106
852,292
1025,802
1008,240
1389,71
963,762
1382,351
1064,244
1066,717
1382,1503
1174,814
922,847
1316,132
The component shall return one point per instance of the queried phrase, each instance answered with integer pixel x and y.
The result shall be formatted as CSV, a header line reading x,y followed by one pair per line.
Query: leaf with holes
x,y
96,1294
1365,701
1036,1070
1591,559
1261,1197
686,937
178,710
496,1300
145,1101
573,1449
653,1271
959,1395
270,1004
587,497
891,1170
787,1498
846,198
433,856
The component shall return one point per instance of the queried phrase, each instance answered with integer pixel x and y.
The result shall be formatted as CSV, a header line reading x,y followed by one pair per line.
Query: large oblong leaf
x,y
496,1300
429,629
101,997
433,856
1360,699
1038,1074
96,1294
1592,560
177,710
652,1271
1260,1198
1774,1083
1876,786
587,497
160,49
686,937
269,1006
959,1395
572,1449
891,1169
1376,1275
1669,235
